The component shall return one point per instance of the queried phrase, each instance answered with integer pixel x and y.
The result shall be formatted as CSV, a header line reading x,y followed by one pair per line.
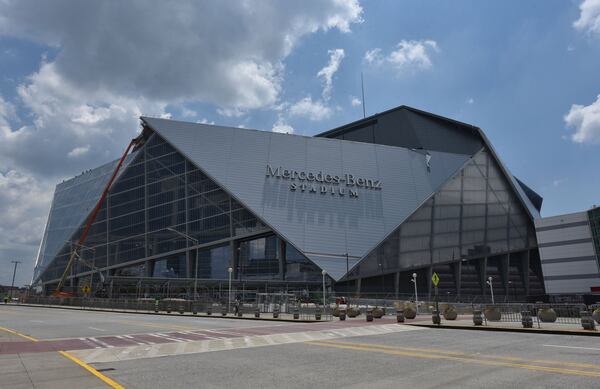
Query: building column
x,y
525,272
358,282
457,267
282,258
505,272
429,274
235,259
396,284
483,274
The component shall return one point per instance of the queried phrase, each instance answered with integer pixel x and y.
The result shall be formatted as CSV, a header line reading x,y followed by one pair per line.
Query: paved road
x,y
262,354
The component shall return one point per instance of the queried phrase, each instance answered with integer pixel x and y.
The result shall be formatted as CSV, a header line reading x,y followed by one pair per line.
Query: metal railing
x,y
293,308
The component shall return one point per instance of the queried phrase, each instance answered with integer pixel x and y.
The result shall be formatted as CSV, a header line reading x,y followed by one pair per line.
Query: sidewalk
x,y
465,322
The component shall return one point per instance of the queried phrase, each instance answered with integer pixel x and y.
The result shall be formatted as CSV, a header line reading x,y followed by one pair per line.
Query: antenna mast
x,y
362,88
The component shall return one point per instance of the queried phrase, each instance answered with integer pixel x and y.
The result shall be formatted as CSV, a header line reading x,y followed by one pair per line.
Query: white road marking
x,y
200,346
136,340
86,341
163,336
97,329
101,342
574,347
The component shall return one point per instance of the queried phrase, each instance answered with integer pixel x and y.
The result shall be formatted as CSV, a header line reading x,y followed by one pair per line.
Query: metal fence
x,y
275,305
541,314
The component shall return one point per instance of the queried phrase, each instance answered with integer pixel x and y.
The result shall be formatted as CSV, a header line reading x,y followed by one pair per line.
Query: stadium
x,y
371,208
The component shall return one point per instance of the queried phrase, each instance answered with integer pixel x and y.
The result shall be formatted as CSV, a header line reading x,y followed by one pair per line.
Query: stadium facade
x,y
368,204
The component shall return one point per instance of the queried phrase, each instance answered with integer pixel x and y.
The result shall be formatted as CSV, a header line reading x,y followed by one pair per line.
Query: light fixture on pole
x,y
195,241
229,270
489,282
414,281
324,273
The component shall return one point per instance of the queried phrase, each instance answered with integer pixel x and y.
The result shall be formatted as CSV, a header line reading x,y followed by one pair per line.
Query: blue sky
x,y
74,77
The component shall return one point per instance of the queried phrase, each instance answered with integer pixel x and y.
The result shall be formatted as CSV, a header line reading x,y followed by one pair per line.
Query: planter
x,y
450,313
596,315
410,312
547,315
377,313
353,312
492,314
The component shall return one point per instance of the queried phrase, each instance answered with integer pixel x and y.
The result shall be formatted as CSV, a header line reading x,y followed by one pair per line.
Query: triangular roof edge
x,y
230,193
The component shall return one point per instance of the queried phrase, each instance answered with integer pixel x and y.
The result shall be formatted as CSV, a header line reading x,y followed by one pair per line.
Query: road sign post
x,y
435,279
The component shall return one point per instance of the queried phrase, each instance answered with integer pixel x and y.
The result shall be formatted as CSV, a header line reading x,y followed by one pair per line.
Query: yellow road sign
x,y
86,289
435,279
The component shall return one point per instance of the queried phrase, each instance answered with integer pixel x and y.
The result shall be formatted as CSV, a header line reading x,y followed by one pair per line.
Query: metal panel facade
x,y
569,262
320,217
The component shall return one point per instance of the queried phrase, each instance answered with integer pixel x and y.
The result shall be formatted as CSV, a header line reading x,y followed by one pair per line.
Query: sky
x,y
75,76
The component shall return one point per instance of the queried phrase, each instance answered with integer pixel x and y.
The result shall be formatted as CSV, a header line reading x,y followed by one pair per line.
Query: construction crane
x,y
74,254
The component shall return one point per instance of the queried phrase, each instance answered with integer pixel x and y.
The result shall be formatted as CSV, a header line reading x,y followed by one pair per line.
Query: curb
x,y
509,329
176,314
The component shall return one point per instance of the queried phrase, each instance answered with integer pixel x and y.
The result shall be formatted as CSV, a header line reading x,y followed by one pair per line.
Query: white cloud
x,y
355,101
114,61
558,182
589,18
24,204
335,58
470,100
374,57
231,112
226,53
78,151
408,56
188,113
66,117
586,122
313,110
282,127
205,121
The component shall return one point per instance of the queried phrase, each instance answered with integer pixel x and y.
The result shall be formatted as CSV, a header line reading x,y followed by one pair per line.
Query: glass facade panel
x,y
298,268
159,191
170,267
214,262
474,214
260,259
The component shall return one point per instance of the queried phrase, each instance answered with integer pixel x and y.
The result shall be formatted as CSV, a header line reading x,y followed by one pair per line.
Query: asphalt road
x,y
51,323
423,358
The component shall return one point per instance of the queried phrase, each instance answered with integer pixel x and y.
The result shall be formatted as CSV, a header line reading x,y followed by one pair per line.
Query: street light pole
x,y
489,282
12,285
229,270
324,273
414,280
195,241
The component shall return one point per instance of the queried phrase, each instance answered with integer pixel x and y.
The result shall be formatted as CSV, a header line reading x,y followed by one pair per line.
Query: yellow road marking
x,y
351,346
87,367
95,372
454,353
18,334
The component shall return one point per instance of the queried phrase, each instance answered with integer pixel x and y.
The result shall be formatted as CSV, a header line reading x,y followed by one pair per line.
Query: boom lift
x,y
74,254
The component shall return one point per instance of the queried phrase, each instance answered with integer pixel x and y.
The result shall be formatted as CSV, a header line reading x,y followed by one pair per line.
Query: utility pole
x,y
12,285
